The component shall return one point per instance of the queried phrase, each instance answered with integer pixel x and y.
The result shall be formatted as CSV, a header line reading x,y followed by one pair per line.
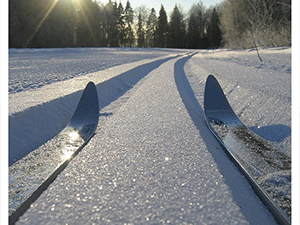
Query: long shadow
x,y
275,133
239,186
57,113
115,87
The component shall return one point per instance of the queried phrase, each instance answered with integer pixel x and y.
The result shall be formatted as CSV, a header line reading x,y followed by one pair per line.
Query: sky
x,y
168,4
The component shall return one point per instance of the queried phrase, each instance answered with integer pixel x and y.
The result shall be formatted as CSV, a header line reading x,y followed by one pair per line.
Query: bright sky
x,y
168,4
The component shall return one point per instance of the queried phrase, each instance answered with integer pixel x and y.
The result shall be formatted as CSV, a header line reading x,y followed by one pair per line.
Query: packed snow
x,y
34,68
153,159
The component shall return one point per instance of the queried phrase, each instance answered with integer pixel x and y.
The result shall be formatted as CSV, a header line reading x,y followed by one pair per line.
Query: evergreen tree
x,y
88,19
193,36
121,25
162,28
196,37
140,32
112,28
177,29
213,31
197,27
151,29
38,23
128,17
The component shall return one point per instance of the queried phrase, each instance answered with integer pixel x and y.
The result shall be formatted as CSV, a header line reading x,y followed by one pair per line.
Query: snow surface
x,y
259,92
34,68
153,159
57,101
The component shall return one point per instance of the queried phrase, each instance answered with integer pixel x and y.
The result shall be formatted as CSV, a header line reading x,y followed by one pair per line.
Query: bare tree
x,y
252,23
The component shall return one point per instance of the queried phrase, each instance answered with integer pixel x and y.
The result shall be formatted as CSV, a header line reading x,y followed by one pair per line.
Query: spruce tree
x,y
162,28
151,29
193,36
111,23
128,18
177,29
214,31
121,25
140,32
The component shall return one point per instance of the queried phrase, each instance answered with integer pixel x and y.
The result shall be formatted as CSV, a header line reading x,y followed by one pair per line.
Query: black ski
x,y
256,158
32,174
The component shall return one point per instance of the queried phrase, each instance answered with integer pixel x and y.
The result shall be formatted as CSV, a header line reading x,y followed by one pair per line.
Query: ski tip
x,y
214,97
210,77
87,111
90,84
90,95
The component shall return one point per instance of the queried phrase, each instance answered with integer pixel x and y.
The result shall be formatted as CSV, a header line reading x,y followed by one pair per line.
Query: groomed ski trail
x,y
153,161
54,104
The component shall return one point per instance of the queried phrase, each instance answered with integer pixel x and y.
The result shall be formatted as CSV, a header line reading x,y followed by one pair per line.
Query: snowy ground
x,y
153,159
34,68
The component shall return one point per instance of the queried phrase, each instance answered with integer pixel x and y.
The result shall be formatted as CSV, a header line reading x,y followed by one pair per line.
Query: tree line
x,y
87,23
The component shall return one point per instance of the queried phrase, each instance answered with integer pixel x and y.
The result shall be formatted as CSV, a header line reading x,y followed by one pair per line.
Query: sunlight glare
x,y
76,2
74,136
66,154
41,22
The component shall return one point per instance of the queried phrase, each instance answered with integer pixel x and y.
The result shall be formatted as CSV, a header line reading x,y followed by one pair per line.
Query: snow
x,y
39,114
153,159
259,93
34,68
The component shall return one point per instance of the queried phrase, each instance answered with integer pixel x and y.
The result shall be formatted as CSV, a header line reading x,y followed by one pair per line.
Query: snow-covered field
x,y
153,158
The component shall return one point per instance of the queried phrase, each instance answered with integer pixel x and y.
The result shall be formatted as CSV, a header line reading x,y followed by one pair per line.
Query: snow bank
x,y
36,116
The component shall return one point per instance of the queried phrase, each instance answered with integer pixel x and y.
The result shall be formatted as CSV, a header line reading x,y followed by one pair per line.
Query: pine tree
x,y
151,29
140,32
193,36
128,18
162,28
177,29
111,24
214,31
121,25
196,37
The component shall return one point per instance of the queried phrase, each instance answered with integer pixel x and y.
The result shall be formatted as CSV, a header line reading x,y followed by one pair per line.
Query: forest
x,y
232,24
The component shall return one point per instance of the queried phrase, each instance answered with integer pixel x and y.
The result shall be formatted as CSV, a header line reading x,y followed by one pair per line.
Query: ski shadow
x,y
274,133
114,88
105,114
242,194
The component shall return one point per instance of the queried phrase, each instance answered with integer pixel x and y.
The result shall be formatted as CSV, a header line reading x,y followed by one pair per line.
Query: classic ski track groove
x,y
278,214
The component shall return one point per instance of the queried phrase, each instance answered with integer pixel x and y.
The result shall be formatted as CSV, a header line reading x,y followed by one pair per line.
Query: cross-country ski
x,y
256,158
29,176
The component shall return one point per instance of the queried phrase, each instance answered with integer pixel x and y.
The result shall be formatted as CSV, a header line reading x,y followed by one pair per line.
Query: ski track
x,y
153,158
46,111
260,97
34,68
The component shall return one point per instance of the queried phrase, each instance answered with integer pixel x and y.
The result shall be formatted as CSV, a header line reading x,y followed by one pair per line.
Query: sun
x,y
77,3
